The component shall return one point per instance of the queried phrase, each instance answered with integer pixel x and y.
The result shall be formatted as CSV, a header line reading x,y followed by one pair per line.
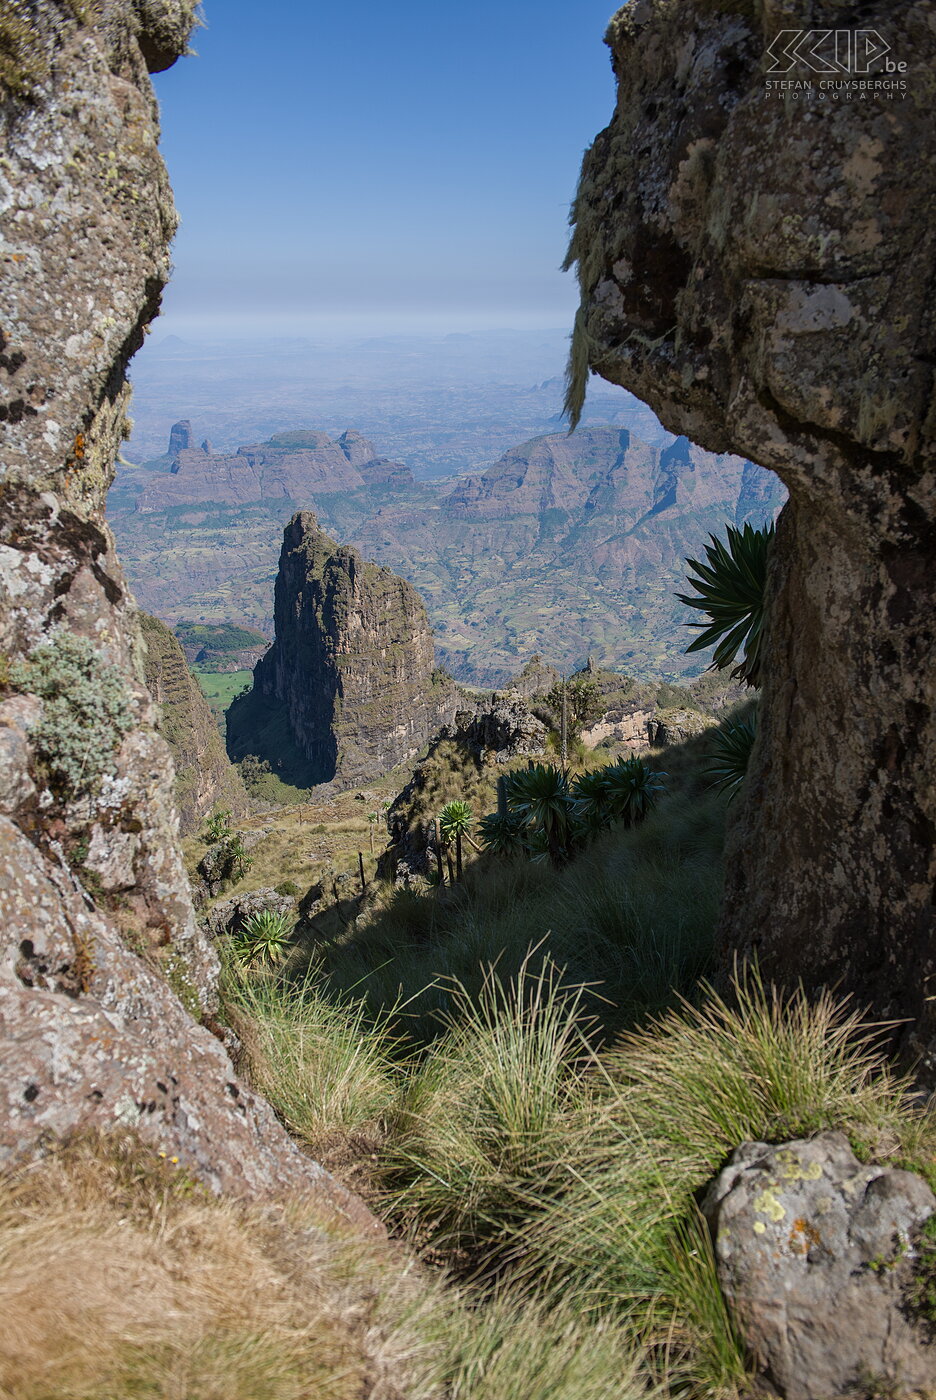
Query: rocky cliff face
x,y
204,775
760,270
102,968
350,677
291,466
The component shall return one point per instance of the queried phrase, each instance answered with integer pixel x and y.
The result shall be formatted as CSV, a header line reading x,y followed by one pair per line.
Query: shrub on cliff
x,y
85,712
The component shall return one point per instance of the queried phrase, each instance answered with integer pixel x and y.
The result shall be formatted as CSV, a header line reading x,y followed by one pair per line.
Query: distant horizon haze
x,y
368,172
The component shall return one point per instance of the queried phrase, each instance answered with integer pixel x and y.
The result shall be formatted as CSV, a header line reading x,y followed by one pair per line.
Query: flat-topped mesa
x,y
290,466
351,676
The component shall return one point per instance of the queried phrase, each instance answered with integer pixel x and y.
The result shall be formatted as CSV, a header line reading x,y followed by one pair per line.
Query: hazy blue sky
x,y
380,166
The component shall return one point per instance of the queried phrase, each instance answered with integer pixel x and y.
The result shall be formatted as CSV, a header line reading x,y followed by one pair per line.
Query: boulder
x,y
230,915
815,1251
214,868
676,726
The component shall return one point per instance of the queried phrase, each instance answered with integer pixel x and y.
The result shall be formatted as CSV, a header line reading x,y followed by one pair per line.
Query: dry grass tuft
x,y
119,1275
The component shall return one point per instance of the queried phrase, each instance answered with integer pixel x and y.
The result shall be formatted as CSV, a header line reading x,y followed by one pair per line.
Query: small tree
x,y
582,702
455,822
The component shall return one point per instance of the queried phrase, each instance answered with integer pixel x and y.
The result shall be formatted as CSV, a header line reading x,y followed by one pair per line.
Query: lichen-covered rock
x,y
229,915
760,270
205,778
93,1035
815,1251
101,960
498,730
676,726
350,682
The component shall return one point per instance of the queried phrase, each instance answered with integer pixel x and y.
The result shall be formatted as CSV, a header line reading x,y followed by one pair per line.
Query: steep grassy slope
x,y
529,1078
205,777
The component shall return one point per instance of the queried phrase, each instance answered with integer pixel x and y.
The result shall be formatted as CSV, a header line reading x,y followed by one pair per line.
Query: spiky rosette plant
x,y
631,789
539,795
731,752
502,833
589,794
263,938
730,588
455,822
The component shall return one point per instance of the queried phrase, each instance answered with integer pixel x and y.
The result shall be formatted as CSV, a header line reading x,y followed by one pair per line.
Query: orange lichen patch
x,y
803,1237
78,447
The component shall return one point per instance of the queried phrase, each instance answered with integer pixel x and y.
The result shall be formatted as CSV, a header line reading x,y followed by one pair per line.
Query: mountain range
x,y
569,545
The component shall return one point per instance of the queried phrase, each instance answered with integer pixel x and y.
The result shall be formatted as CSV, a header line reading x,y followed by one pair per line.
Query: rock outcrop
x,y
349,687
815,1254
205,778
102,967
294,466
759,267
496,732
228,916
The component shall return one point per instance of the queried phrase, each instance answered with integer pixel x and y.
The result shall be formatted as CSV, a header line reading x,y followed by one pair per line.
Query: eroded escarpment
x,y
205,778
760,271
349,688
104,973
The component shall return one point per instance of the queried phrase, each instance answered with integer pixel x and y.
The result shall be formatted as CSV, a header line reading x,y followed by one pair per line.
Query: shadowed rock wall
x,y
761,272
205,777
102,966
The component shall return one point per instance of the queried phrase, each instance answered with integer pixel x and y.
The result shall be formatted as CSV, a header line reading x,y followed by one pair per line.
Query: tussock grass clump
x,y
678,1096
563,1171
518,1349
326,1067
491,1119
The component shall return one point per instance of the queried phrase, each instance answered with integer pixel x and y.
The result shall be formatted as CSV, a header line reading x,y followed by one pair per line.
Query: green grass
x,y
564,1174
679,1095
220,687
633,916
488,1123
542,1084
218,636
